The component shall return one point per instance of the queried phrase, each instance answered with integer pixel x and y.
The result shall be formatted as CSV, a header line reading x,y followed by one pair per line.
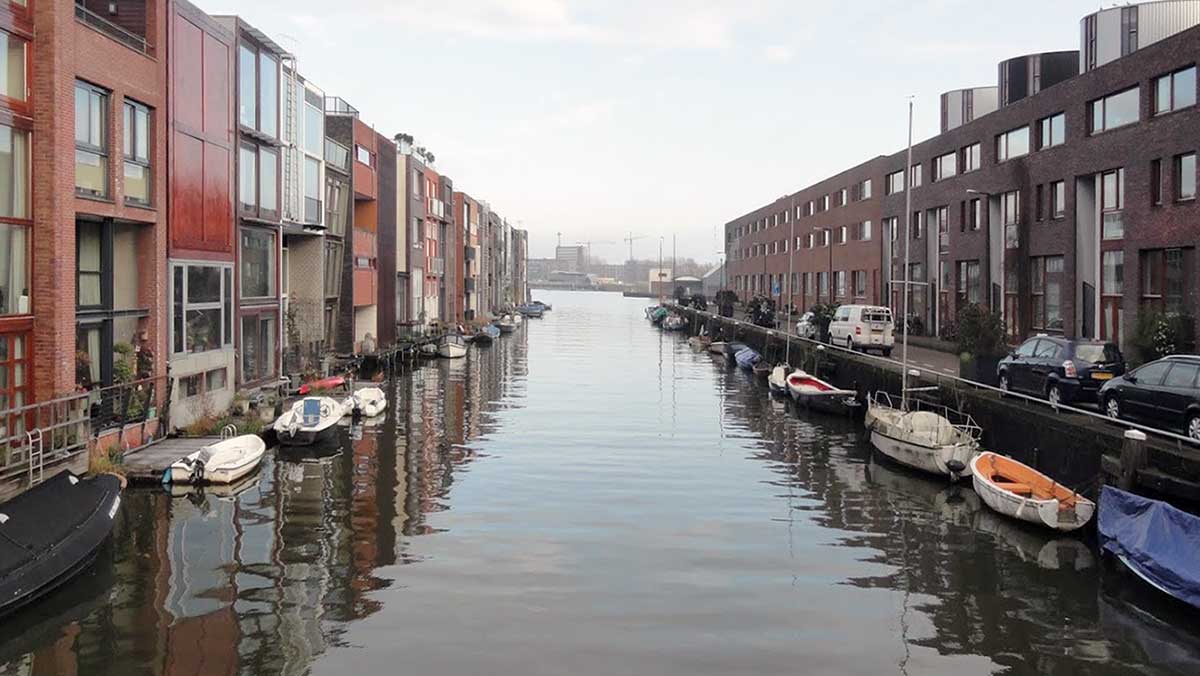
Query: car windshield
x,y
1097,353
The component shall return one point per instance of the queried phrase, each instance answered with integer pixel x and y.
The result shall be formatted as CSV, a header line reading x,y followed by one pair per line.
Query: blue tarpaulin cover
x,y
747,358
1157,541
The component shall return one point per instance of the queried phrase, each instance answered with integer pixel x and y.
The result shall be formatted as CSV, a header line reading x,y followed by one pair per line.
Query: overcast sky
x,y
597,118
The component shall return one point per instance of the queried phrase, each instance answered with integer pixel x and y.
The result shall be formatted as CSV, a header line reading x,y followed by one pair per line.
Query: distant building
x,y
540,268
714,280
571,258
573,280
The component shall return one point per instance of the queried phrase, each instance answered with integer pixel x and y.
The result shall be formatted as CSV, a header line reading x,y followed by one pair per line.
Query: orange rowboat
x,y
1019,491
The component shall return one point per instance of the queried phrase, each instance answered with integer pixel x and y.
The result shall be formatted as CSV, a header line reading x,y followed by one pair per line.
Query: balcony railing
x,y
336,105
122,35
338,155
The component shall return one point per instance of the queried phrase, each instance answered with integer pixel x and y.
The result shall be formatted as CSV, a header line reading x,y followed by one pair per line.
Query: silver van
x,y
863,327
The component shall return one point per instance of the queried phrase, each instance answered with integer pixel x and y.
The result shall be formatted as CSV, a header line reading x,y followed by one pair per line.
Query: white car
x,y
863,327
807,327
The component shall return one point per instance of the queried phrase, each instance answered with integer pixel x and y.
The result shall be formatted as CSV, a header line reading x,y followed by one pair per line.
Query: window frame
x,y
1172,106
130,109
1004,141
972,151
1118,209
259,53
1058,193
1010,218
95,92
1179,181
273,283
1103,103
1046,124
22,105
939,169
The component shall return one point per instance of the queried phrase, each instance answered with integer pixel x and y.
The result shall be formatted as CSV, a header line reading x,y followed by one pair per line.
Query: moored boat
x,y
530,310
762,368
699,343
366,403
717,347
1157,542
1017,490
223,462
506,324
811,392
330,383
51,532
777,381
452,346
674,323
311,420
731,351
747,358
922,439
486,335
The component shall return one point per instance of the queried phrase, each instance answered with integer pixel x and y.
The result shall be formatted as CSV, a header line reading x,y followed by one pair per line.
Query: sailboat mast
x,y
907,238
787,358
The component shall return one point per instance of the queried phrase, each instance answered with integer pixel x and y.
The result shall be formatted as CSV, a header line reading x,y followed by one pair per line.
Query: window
x,y
1182,376
1185,177
314,125
1175,91
1010,217
14,72
1039,203
842,234
1152,374
970,288
257,263
970,158
1046,282
823,283
258,90
806,283
1165,281
268,183
1112,202
88,283
14,270
1156,181
824,237
362,155
825,203
841,197
338,156
918,227
945,166
137,152
91,140
248,178
1112,286
14,174
860,283
915,176
337,205
941,220
258,181
864,231
258,347
1052,131
894,183
202,307
1012,144
333,268
1058,199
1115,111
840,280
247,87
312,190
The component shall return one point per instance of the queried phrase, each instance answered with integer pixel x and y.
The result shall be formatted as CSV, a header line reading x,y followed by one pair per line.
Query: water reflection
x,y
614,504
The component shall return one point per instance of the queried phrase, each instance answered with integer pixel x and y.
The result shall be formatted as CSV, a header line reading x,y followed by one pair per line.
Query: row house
x,y
1062,197
467,224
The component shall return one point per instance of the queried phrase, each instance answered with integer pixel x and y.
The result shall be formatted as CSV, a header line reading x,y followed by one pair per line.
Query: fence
x,y
46,432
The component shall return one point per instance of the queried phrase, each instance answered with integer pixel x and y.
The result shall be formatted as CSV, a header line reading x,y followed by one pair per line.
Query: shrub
x,y
981,333
1158,334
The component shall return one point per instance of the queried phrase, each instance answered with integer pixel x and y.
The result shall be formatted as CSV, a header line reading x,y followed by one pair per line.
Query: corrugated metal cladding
x,y
1124,29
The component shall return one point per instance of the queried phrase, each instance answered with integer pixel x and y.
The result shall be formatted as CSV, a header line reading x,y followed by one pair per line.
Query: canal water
x,y
590,496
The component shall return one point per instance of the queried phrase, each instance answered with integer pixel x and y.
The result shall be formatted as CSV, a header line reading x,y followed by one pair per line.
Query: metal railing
x,y
115,406
122,35
34,435
336,105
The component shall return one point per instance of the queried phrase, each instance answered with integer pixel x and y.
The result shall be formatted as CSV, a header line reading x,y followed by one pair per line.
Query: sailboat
x,y
923,438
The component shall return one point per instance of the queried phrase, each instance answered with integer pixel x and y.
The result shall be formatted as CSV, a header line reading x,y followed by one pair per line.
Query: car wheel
x,y
1112,408
1054,395
1193,427
849,343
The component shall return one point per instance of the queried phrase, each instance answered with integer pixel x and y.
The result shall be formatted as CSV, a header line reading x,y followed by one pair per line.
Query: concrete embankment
x,y
1078,450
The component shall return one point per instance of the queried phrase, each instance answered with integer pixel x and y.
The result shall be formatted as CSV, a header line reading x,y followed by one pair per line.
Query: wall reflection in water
x,y
261,577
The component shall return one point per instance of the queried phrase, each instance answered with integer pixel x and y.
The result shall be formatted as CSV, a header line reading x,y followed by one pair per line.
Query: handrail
x,y
1179,439
119,33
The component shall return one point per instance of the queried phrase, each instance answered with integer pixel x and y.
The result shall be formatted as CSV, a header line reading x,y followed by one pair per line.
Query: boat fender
x,y
956,466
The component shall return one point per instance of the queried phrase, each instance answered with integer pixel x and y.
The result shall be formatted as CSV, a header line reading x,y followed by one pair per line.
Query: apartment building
x,y
467,224
339,219
1069,208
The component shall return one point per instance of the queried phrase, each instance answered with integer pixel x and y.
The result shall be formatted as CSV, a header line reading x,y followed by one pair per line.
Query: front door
x,y
1089,311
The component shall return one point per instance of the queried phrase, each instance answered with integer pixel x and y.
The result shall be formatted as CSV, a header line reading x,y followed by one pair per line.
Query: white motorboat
x,y
310,421
366,403
506,324
777,381
452,346
1017,490
428,349
923,439
221,463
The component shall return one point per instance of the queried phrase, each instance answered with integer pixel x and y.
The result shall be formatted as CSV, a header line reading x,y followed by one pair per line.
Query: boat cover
x,y
747,358
1159,542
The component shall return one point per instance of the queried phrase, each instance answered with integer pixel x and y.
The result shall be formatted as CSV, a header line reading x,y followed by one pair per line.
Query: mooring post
x,y
1133,458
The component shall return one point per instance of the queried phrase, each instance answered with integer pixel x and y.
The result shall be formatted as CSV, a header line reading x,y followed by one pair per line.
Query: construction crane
x,y
631,239
588,244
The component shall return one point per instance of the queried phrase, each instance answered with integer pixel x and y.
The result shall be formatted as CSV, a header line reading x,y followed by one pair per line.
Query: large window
x,y
257,263
314,124
1185,177
1010,217
1058,199
1046,282
1175,91
1112,286
337,155
1052,131
970,288
1012,144
337,205
363,155
89,273
1112,203
333,269
258,90
136,129
945,166
894,183
14,269
970,158
1116,110
1165,281
258,181
109,303
14,67
201,308
860,283
258,347
14,173
91,140
312,190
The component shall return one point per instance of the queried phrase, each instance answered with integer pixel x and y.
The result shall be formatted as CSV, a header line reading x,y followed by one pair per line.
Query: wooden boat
x,y
366,403
922,439
811,392
1157,542
51,532
506,324
312,420
330,383
1017,490
486,335
452,346
717,347
777,381
221,463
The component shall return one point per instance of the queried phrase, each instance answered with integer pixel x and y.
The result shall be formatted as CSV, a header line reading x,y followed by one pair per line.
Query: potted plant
x,y
981,344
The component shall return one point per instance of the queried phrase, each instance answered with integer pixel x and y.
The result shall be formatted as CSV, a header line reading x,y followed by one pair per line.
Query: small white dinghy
x,y
221,463
717,347
777,381
310,420
452,346
811,392
366,403
1019,491
922,439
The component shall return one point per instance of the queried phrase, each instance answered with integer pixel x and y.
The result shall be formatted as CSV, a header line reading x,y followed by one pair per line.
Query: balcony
x,y
124,22
336,105
337,155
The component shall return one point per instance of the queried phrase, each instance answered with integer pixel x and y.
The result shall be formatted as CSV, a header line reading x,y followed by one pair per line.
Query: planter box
x,y
980,369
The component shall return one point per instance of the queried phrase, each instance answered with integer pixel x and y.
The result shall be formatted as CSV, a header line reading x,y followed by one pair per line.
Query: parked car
x,y
1164,392
863,327
807,326
1061,369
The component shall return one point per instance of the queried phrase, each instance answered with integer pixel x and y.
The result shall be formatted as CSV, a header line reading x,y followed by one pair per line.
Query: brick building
x,y
1069,208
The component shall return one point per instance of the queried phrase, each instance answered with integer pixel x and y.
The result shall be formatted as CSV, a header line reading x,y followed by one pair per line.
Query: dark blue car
x,y
1062,370
1165,393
